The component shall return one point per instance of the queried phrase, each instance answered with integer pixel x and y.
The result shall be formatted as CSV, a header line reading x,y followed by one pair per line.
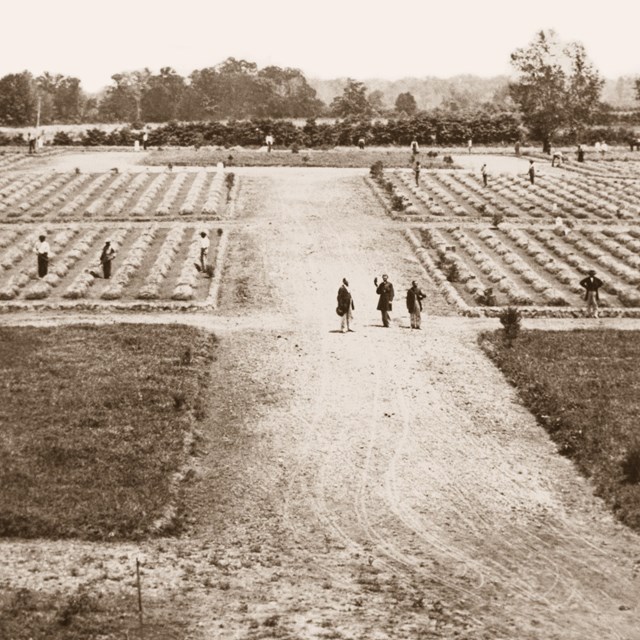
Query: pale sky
x,y
325,39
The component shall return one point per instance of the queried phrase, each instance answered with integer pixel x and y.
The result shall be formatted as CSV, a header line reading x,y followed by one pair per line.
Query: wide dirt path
x,y
383,484
401,486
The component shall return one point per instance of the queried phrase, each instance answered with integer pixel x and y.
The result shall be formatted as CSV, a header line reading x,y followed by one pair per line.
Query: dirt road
x,y
379,484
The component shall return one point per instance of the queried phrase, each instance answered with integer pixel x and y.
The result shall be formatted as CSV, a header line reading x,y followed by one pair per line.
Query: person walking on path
x,y
532,172
204,249
416,172
414,304
386,293
485,175
42,250
345,306
591,284
106,258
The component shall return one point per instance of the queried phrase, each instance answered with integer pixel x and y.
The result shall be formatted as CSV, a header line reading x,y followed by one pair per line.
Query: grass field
x,y
337,157
584,388
97,422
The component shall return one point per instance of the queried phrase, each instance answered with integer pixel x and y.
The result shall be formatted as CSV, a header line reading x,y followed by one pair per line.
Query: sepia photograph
x,y
211,212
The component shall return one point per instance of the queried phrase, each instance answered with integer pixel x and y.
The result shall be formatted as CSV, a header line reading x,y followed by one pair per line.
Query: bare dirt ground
x,y
383,484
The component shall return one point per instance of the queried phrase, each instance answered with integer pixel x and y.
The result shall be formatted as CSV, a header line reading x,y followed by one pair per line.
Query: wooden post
x,y
139,598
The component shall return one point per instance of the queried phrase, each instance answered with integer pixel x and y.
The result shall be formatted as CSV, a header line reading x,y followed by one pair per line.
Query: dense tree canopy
x,y
556,87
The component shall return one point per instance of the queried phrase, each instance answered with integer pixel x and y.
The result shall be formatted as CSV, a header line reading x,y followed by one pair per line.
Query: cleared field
x,y
583,386
113,196
122,404
153,262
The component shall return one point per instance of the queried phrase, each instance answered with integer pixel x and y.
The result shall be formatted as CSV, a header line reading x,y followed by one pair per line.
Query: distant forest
x,y
238,89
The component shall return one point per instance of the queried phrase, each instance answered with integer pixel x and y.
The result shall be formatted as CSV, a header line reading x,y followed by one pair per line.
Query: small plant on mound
x,y
376,170
398,203
452,272
497,219
487,298
447,160
229,180
295,148
510,319
432,154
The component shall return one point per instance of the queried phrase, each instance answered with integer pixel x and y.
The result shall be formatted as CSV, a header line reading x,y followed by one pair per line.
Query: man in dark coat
x,y
386,293
414,304
106,257
345,306
591,284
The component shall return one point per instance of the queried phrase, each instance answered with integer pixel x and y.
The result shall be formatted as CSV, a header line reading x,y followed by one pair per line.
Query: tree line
x,y
555,93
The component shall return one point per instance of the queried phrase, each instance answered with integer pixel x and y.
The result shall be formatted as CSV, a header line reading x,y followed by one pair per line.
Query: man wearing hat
x,y
345,306
591,284
107,255
386,293
42,252
414,304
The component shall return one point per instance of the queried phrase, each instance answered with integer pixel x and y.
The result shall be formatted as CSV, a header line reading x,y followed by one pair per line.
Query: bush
x,y
398,203
452,272
510,319
62,139
377,169
497,219
447,160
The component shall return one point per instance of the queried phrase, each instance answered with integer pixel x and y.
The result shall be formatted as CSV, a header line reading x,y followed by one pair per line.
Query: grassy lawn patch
x,y
80,615
584,387
97,422
339,157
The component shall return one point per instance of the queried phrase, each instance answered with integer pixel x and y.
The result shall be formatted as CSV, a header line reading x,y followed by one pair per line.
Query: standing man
x,y
517,147
483,171
470,144
386,293
269,142
345,306
42,251
145,139
414,147
532,172
591,284
204,249
604,148
361,142
107,255
416,171
414,304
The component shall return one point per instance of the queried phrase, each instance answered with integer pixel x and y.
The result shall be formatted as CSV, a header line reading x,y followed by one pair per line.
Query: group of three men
x,y
386,295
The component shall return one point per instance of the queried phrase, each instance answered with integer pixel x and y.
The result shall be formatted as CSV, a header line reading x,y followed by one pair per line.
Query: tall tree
x,y
61,98
162,96
123,100
353,102
406,103
556,86
17,99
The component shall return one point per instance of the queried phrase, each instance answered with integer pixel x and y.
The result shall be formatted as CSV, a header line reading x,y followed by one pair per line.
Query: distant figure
x,y
269,142
603,149
416,172
42,252
414,147
361,143
145,139
345,306
597,147
106,257
483,171
580,153
532,172
517,147
204,250
591,284
31,141
469,145
386,293
414,304
557,157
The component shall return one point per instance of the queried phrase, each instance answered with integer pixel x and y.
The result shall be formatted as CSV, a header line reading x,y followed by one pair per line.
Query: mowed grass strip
x,y
96,423
584,388
340,158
